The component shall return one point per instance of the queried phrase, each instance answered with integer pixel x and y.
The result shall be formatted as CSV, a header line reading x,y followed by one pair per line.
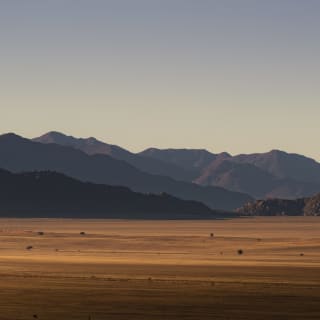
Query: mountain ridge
x,y
262,175
93,146
20,154
51,194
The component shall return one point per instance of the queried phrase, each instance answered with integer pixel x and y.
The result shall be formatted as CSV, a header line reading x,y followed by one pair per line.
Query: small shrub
x,y
240,252
40,233
82,233
211,235
29,247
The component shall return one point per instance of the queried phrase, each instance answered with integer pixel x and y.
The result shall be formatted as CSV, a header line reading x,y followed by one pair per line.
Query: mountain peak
x,y
276,151
11,137
189,159
54,137
10,134
55,133
89,145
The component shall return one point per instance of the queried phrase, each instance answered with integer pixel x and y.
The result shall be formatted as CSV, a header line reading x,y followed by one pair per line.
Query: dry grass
x,y
160,269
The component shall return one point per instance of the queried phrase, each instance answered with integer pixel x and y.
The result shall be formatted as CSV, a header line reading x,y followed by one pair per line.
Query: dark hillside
x,y
49,194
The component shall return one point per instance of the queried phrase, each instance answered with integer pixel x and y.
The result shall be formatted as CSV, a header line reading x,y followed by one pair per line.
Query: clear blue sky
x,y
234,75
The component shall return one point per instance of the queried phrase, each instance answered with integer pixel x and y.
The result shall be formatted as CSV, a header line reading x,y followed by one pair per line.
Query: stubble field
x,y
160,269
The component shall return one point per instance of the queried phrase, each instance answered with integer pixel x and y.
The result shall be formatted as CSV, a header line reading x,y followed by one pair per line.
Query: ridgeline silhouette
x,y
51,194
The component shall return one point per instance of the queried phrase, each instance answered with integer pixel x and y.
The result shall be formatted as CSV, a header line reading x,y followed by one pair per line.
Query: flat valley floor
x,y
122,269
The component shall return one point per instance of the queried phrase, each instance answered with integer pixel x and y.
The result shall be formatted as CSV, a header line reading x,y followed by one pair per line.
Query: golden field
x,y
122,269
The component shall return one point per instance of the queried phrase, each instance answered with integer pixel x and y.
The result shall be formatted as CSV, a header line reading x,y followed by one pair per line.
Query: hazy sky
x,y
234,75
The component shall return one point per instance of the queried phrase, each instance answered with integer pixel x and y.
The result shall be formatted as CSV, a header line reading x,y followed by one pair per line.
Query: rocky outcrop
x,y
281,207
273,207
312,207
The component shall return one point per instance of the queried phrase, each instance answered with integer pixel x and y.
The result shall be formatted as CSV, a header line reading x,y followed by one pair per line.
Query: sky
x,y
227,75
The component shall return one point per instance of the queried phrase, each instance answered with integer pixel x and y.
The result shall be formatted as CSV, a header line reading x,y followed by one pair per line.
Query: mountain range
x,y
92,146
50,194
19,154
261,175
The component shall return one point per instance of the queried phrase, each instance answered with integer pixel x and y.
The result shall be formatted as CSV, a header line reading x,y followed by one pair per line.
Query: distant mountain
x,y
291,189
274,207
49,194
190,159
90,145
19,154
272,174
261,175
237,176
93,146
248,178
284,165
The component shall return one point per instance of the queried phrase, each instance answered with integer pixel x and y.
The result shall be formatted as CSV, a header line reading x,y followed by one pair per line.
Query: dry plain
x,y
122,269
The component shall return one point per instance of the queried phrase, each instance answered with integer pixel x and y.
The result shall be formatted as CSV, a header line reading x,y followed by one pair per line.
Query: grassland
x,y
160,269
